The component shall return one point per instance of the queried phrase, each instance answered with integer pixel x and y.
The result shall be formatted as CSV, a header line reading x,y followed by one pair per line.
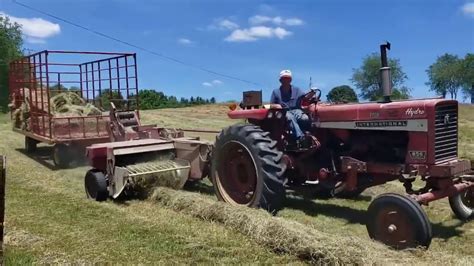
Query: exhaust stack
x,y
385,73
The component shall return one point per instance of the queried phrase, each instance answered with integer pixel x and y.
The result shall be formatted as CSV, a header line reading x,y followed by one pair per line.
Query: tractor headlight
x,y
270,115
279,115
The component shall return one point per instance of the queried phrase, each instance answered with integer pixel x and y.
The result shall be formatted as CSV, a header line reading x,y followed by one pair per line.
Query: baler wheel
x,y
247,169
398,221
30,144
462,205
62,156
95,184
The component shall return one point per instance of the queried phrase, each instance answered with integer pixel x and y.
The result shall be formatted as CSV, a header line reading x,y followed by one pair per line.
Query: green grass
x,y
466,131
48,219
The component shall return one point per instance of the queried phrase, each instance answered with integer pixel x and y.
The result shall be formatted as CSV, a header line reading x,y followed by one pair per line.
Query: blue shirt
x,y
287,99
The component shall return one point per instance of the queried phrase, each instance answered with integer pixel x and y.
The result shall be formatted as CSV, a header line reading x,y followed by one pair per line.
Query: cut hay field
x,y
49,220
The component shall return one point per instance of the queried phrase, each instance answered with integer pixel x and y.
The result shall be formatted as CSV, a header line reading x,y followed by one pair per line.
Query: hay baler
x,y
141,157
356,146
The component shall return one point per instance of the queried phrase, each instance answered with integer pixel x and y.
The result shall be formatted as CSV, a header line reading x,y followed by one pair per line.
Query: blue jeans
x,y
297,118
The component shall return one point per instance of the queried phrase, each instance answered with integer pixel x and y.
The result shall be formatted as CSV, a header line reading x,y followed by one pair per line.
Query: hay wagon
x,y
61,98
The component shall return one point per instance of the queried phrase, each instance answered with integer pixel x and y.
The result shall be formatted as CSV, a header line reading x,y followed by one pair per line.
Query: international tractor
x,y
357,146
353,147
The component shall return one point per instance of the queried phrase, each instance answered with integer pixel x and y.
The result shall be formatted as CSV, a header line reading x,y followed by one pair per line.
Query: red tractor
x,y
359,146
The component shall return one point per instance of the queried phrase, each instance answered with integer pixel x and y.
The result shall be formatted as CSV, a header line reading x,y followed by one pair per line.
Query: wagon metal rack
x,y
35,79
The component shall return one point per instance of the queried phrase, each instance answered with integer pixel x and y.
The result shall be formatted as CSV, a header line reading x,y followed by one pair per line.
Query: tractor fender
x,y
257,114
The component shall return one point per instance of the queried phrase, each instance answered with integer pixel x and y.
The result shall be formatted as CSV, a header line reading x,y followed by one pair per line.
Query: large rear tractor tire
x,y
30,145
247,169
399,222
462,205
95,184
62,156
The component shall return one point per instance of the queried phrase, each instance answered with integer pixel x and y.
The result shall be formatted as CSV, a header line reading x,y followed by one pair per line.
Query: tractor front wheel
x,y
95,184
398,221
462,204
247,169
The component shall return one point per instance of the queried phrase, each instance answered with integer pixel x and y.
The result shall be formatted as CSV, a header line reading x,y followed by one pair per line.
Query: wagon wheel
x,y
30,144
398,221
462,204
95,184
247,169
62,155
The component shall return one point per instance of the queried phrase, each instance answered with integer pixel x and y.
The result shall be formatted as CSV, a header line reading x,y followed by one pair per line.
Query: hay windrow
x,y
294,238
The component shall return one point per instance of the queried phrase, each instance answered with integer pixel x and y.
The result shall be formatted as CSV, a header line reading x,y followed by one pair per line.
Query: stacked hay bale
x,y
64,104
21,116
71,104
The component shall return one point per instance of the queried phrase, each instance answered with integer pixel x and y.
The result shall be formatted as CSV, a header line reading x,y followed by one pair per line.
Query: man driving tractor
x,y
289,96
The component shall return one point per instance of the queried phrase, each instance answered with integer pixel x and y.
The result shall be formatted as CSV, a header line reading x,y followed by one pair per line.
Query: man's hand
x,y
275,106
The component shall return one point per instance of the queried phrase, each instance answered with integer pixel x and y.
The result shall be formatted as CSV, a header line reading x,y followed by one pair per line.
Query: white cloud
x,y
258,20
255,33
281,33
294,22
468,9
223,24
185,41
213,83
227,24
35,29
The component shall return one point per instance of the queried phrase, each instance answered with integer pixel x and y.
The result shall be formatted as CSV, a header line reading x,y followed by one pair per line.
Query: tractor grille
x,y
446,132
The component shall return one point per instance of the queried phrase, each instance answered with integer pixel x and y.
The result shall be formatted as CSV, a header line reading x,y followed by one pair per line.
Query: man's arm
x,y
274,98
275,101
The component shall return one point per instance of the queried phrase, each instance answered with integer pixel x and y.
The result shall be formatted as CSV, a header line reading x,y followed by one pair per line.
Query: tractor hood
x,y
401,110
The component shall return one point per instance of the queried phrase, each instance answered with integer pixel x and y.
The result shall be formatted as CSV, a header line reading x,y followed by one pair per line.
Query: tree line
x,y
447,75
147,99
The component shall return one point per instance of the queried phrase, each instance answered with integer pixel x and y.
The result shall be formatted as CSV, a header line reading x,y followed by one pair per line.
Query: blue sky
x,y
254,40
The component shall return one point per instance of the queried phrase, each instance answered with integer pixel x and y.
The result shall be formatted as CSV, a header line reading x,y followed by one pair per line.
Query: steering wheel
x,y
312,96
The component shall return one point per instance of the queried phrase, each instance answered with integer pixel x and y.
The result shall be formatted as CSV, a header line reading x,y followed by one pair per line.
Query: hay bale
x,y
69,110
89,109
66,99
282,235
21,116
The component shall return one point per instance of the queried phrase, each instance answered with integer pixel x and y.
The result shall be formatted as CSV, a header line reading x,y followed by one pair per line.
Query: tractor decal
x,y
420,125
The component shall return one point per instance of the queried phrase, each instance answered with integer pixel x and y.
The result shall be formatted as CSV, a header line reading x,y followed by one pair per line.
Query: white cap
x,y
285,73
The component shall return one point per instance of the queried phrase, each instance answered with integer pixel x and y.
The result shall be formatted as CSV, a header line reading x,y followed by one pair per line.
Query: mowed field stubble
x,y
49,219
